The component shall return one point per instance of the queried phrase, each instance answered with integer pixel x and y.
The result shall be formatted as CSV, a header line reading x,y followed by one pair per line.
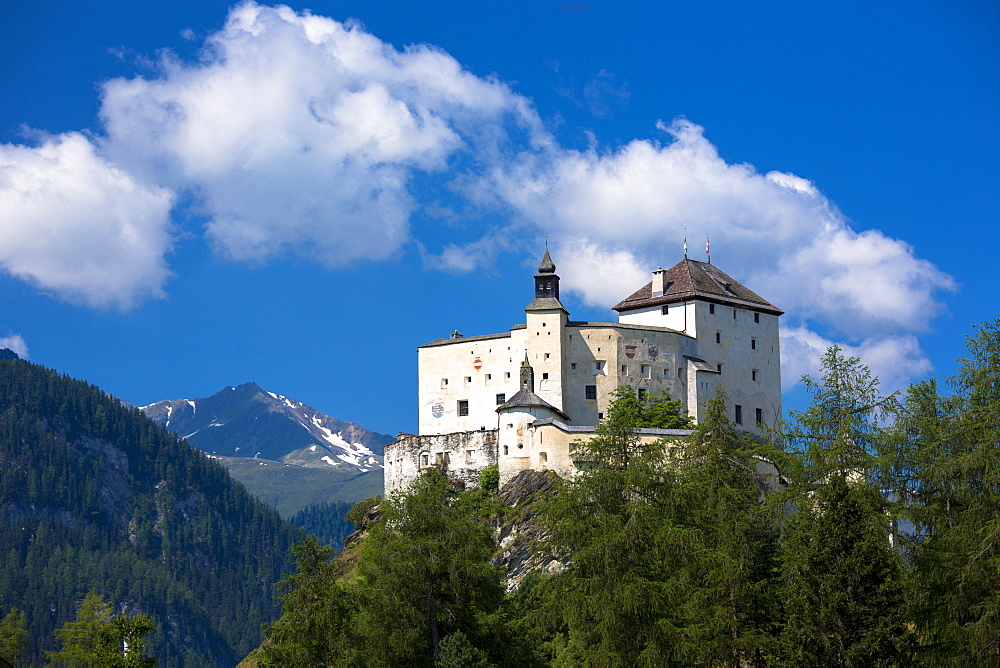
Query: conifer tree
x,y
13,636
98,639
843,579
947,450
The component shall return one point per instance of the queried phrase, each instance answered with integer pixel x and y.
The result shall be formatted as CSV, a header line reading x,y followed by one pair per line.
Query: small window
x,y
756,317
739,414
642,394
624,369
590,392
644,370
600,416
759,415
734,314
444,382
680,372
572,365
718,337
666,373
546,355
463,408
753,344
753,375
424,459
506,375
711,309
506,450
599,366
501,398
470,456
542,457
545,376
665,309
468,380
489,377
719,367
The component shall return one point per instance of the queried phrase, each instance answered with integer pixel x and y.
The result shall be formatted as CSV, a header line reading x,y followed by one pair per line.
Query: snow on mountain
x,y
246,419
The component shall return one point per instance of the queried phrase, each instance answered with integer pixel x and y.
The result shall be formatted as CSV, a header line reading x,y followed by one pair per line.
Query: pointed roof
x,y
690,279
547,266
525,398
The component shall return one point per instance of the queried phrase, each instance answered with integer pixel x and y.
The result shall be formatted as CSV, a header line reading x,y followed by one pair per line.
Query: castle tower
x,y
545,323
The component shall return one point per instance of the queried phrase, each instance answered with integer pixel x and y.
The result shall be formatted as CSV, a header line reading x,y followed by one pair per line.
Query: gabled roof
x,y
690,279
525,398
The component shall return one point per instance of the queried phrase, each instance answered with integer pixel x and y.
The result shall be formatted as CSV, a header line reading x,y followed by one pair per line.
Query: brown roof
x,y
525,398
690,279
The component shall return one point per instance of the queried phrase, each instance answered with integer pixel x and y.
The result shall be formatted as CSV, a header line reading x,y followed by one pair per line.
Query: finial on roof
x,y
685,243
547,266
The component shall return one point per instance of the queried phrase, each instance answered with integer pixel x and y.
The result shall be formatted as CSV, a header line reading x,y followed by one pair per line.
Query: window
x,y
734,314
759,414
468,380
545,376
463,408
489,377
600,416
680,372
590,392
753,344
719,367
546,355
718,337
756,317
506,375
444,382
542,457
424,459
711,309
642,394
506,450
664,310
501,398
753,375
739,414
624,369
599,366
666,373
572,365
644,370
470,456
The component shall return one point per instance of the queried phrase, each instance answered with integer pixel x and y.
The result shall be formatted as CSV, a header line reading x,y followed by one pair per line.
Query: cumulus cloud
x,y
894,360
15,342
77,227
300,134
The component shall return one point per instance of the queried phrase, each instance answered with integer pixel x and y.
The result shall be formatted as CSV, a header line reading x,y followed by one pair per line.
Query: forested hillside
x,y
95,497
866,532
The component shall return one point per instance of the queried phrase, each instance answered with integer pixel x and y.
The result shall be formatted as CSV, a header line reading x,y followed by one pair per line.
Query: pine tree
x,y
843,579
13,636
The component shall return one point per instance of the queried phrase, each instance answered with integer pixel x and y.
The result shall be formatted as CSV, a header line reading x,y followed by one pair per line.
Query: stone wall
x,y
464,454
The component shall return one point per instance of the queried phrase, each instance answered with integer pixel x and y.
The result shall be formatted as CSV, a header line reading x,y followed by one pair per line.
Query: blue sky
x,y
194,195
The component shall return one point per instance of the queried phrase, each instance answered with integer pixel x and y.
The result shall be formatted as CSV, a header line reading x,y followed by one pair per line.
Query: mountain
x,y
287,453
96,497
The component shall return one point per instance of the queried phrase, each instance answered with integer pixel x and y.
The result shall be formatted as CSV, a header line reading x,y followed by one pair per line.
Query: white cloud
x,y
15,342
301,134
894,360
776,232
79,228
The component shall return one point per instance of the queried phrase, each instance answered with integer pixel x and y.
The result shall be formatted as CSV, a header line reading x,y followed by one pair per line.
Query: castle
x,y
520,399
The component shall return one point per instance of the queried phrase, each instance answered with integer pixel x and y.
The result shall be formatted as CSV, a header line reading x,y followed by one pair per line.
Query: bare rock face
x,y
521,537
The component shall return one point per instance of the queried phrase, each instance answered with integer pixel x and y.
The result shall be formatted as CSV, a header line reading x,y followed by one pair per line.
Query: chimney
x,y
456,335
658,281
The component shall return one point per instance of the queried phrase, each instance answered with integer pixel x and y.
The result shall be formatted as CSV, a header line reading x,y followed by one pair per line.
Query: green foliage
x,y
843,580
357,514
662,411
327,521
945,472
94,496
489,479
13,636
99,639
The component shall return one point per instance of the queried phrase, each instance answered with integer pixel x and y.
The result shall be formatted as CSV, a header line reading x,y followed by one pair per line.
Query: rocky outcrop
x,y
522,536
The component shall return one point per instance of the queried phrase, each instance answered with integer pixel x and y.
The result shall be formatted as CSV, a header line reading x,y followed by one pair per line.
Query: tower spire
x,y
685,243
